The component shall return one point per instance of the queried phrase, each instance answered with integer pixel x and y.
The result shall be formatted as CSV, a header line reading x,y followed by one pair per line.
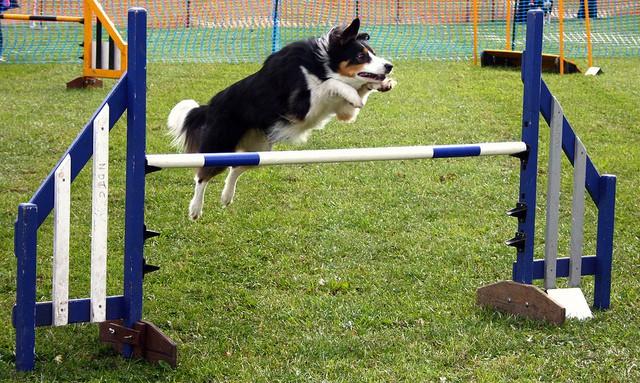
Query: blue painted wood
x,y
562,267
79,311
531,76
456,151
592,181
81,149
135,179
25,249
232,159
604,242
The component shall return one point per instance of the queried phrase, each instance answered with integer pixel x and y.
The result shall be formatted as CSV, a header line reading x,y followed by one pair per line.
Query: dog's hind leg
x,y
252,141
226,198
203,175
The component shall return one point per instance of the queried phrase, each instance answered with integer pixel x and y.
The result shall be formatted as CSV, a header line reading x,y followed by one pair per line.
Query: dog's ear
x,y
351,32
342,35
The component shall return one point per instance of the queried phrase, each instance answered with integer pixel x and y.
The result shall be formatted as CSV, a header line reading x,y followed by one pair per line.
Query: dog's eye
x,y
361,56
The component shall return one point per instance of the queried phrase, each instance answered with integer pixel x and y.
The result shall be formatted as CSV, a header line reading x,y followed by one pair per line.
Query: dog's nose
x,y
388,67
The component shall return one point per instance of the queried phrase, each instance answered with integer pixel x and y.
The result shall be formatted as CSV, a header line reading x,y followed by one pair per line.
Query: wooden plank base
x,y
147,340
84,82
503,58
520,299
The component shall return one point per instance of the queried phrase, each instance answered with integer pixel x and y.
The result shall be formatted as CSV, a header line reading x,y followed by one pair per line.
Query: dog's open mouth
x,y
372,76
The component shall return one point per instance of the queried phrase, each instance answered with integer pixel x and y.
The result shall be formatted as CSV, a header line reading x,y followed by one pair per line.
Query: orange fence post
x,y
561,34
508,36
587,19
475,32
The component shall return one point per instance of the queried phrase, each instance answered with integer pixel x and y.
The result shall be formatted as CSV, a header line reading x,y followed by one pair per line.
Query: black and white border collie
x,y
299,88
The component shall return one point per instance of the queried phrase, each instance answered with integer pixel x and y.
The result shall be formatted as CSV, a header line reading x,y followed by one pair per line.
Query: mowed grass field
x,y
360,272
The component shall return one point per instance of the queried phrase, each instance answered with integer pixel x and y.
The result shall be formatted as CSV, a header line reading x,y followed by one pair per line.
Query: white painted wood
x,y
93,54
593,71
577,214
61,224
99,215
553,196
573,301
333,155
105,55
117,58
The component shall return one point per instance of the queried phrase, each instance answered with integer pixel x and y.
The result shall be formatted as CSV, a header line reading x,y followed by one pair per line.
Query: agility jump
x,y
120,316
104,59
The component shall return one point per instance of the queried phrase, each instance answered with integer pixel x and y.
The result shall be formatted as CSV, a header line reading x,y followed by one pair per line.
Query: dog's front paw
x,y
386,85
356,102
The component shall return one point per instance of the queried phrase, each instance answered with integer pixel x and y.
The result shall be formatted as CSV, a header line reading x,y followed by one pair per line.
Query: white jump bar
x,y
199,160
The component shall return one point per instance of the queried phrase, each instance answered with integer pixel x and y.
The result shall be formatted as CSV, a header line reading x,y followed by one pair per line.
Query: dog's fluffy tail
x,y
185,122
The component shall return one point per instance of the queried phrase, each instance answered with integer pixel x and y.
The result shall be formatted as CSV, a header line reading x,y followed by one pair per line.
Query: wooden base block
x,y
84,82
523,300
147,340
504,58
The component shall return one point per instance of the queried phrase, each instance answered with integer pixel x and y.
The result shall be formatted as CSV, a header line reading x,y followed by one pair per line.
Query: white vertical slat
x,y
99,217
577,214
93,54
61,222
105,55
553,196
117,58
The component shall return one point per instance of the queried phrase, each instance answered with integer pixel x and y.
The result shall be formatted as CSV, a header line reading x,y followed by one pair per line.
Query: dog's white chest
x,y
324,102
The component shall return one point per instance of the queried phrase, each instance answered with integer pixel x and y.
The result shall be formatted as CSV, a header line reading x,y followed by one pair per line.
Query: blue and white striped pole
x,y
199,160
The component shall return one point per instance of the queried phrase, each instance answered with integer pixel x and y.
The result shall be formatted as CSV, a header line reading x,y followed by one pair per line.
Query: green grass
x,y
355,272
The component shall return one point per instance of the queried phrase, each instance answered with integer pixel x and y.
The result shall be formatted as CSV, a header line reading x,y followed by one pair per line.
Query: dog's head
x,y
351,57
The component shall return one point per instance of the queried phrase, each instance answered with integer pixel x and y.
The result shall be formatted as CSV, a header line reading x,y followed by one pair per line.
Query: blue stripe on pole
x,y
456,151
232,159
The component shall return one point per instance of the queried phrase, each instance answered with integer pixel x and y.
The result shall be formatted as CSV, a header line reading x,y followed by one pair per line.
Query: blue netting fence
x,y
249,30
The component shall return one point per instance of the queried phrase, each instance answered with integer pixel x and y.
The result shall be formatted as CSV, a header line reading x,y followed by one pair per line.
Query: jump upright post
x,y
104,59
125,329
121,323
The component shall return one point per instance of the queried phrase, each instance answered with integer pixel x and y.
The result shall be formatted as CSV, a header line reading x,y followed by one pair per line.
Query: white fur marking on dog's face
x,y
377,65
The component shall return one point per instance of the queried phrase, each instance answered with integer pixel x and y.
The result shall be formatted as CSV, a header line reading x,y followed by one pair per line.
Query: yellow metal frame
x,y
25,17
91,8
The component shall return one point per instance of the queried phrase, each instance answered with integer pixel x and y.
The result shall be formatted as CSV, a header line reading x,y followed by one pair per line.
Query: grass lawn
x,y
359,272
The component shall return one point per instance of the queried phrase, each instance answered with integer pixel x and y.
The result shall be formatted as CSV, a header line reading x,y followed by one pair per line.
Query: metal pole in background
x,y
275,37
